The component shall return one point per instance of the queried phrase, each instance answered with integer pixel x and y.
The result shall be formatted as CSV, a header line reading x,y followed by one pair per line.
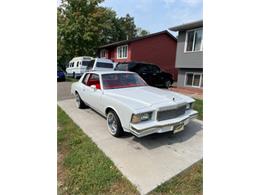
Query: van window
x,y
104,65
77,64
87,63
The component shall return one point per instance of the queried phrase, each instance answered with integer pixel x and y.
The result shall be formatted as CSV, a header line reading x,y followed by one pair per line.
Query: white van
x,y
78,65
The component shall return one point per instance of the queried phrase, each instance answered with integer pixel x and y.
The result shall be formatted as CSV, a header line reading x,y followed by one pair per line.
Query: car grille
x,y
170,114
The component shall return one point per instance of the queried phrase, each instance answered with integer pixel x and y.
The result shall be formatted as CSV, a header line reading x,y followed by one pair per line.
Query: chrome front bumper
x,y
150,127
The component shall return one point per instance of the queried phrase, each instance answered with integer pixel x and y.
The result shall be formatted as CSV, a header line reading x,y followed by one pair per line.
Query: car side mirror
x,y
93,87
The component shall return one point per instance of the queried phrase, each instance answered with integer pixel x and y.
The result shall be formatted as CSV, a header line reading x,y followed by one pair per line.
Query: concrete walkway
x,y
147,162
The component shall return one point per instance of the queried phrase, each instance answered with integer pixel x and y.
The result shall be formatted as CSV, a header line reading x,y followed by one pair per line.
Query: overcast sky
x,y
157,15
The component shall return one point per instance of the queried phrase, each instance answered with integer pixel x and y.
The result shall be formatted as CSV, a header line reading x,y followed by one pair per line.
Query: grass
x,y
198,105
188,182
82,167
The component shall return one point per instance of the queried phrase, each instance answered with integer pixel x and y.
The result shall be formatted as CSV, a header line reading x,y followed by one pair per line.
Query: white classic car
x,y
130,105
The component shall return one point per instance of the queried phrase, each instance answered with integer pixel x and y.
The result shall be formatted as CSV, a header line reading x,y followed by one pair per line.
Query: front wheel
x,y
114,124
79,102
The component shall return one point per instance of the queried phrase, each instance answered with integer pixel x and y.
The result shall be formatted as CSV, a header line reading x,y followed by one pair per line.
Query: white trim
x,y
194,73
186,36
119,47
105,52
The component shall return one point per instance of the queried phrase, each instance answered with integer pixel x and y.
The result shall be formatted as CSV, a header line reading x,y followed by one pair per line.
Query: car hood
x,y
140,97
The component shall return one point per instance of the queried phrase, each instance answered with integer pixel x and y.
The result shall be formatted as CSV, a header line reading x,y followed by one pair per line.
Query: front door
x,y
92,91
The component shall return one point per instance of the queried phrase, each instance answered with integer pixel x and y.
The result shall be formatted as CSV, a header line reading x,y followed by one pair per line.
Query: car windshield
x,y
122,80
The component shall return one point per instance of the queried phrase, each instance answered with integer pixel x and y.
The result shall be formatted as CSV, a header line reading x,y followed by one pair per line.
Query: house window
x,y
122,52
103,53
193,79
193,40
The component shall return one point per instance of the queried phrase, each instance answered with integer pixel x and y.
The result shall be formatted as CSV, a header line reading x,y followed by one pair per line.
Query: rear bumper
x,y
151,127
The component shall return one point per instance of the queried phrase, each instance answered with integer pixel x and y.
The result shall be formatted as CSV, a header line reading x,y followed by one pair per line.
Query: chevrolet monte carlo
x,y
130,105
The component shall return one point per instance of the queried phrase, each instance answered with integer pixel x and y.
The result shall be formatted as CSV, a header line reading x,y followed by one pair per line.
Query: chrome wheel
x,y
112,123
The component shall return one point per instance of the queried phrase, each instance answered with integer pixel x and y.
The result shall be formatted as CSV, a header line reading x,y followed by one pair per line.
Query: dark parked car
x,y
60,74
151,73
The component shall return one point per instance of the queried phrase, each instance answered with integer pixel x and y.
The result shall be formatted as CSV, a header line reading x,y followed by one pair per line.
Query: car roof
x,y
104,60
137,63
110,72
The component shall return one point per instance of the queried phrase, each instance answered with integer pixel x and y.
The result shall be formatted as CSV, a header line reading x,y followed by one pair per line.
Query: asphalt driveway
x,y
63,90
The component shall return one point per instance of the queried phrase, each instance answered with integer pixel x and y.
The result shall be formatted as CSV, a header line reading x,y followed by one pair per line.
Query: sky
x,y
157,15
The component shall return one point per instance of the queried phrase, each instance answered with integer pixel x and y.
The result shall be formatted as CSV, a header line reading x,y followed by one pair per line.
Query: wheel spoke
x,y
111,121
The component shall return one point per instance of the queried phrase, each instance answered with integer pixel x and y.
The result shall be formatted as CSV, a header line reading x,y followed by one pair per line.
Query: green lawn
x,y
188,182
84,169
198,105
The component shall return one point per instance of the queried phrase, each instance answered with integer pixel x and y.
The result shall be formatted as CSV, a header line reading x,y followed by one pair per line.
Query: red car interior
x,y
94,82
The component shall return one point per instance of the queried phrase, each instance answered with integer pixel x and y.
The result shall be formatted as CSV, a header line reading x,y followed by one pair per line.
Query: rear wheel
x,y
79,102
114,124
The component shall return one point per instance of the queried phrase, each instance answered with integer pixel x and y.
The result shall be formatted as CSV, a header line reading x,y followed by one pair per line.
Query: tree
x,y
83,26
77,29
141,32
128,26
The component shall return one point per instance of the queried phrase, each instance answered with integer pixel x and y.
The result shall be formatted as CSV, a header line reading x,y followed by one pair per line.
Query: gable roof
x,y
137,39
187,26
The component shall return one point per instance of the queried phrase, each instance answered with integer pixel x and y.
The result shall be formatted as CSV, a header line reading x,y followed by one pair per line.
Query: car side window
x,y
122,67
93,79
151,69
78,64
142,68
156,69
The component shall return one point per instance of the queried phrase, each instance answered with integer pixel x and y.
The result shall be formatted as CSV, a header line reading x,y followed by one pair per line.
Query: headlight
x,y
137,118
189,106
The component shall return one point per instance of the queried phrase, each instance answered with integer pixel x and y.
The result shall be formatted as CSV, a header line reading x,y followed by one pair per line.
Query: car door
x,y
142,70
156,77
91,95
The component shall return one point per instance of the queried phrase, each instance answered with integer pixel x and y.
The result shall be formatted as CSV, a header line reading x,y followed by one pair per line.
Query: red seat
x,y
94,82
98,86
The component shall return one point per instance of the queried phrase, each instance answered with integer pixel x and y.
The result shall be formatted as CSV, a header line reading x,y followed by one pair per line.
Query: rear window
x,y
104,65
123,67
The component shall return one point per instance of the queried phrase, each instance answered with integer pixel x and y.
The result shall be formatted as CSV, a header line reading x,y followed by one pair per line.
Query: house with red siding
x,y
157,48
